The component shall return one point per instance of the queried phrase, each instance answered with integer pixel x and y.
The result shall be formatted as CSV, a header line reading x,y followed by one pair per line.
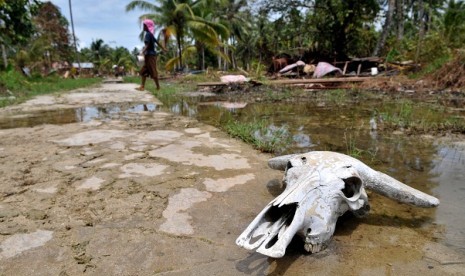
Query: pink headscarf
x,y
150,25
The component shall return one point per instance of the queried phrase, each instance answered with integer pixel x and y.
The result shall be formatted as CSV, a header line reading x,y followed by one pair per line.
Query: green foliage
x,y
17,20
431,67
35,35
454,24
182,18
105,57
340,27
51,40
230,34
432,48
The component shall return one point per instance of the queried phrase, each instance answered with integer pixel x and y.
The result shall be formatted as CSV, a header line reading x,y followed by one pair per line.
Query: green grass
x,y
260,134
337,96
421,118
16,88
431,67
351,148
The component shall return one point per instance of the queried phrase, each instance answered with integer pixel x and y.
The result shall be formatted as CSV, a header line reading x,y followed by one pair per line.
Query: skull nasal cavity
x,y
352,185
276,212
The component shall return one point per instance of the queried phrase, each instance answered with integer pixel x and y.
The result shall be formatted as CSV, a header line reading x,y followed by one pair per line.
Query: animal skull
x,y
320,187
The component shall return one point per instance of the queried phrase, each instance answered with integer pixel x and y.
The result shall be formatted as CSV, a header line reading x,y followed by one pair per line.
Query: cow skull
x,y
320,187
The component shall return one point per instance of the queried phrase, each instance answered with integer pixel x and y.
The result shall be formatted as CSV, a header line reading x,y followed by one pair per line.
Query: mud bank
x,y
150,193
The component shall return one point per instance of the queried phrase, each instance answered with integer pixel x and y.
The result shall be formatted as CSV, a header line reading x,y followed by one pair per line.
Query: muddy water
x,y
72,115
422,162
449,173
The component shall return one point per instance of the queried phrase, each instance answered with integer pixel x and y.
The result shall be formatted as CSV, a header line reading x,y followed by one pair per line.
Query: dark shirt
x,y
150,40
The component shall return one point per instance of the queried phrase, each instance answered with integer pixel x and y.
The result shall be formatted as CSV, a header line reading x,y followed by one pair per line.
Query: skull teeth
x,y
313,248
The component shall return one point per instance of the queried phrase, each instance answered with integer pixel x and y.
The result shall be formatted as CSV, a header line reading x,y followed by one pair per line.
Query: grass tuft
x,y
260,134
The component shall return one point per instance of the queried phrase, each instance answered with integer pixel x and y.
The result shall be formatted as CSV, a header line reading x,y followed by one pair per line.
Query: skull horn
x,y
280,162
387,186
374,180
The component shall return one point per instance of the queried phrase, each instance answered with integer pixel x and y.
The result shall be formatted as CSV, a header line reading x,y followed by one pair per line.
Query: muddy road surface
x,y
136,191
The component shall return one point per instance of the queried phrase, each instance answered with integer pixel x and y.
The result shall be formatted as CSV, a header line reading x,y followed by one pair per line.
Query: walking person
x,y
149,69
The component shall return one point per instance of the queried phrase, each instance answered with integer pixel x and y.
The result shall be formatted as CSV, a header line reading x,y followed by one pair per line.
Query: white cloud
x,y
103,19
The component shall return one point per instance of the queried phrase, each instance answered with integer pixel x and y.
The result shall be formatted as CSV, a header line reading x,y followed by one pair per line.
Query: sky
x,y
103,19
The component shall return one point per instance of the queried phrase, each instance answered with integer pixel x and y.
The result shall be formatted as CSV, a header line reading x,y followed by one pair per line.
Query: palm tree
x,y
234,19
178,19
454,18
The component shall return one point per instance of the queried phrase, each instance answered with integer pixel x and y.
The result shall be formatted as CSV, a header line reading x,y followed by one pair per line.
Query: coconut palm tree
x,y
232,16
179,19
454,18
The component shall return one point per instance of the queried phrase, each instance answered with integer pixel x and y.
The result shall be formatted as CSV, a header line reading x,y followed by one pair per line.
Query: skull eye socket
x,y
352,186
289,165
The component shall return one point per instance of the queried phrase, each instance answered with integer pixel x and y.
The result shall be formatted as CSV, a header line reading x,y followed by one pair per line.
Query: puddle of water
x,y
72,115
417,161
450,174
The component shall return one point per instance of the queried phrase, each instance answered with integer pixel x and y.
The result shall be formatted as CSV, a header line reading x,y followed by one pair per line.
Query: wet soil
x,y
145,192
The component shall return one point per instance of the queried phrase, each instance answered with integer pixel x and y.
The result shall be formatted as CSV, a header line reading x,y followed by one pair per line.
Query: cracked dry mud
x,y
151,193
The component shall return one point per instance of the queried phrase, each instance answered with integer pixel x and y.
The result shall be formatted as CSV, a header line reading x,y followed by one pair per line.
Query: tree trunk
x,y
386,27
203,58
179,42
421,30
219,59
5,60
225,64
200,60
233,57
400,19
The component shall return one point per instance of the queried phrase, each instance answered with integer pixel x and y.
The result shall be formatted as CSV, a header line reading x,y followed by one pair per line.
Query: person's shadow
x,y
258,264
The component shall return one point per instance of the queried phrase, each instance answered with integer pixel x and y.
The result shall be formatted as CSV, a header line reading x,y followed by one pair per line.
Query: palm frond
x,y
171,63
184,7
139,4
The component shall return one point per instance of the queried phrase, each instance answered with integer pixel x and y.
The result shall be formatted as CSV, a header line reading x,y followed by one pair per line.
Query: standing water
x,y
420,161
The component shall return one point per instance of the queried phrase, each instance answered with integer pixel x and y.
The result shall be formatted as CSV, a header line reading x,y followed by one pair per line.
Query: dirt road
x,y
145,192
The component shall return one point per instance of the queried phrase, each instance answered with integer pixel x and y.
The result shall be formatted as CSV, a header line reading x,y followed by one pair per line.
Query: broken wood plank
x,y
328,80
293,81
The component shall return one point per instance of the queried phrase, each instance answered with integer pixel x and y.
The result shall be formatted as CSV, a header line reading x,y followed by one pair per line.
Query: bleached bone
x,y
320,187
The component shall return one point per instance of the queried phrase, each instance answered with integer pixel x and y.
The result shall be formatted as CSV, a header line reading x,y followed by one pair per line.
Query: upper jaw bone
x,y
305,205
